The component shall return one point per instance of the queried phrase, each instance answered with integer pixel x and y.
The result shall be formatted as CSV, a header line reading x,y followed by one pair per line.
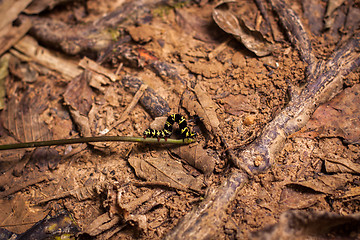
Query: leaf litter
x,y
226,83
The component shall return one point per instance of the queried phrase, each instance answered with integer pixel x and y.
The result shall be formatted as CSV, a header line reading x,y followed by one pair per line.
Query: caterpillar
x,y
168,128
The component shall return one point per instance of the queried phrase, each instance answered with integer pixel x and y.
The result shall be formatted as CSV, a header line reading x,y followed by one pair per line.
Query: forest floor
x,y
69,79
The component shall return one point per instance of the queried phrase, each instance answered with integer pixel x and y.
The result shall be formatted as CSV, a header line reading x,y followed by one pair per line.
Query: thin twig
x,y
130,107
97,139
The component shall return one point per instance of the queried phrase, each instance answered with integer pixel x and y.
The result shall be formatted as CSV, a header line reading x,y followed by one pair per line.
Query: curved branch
x,y
202,222
295,30
324,83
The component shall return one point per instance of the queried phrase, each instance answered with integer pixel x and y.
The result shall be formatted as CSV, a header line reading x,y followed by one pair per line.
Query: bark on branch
x,y
324,82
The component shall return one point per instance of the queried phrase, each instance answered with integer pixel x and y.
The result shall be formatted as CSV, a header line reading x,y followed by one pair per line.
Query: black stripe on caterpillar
x,y
168,128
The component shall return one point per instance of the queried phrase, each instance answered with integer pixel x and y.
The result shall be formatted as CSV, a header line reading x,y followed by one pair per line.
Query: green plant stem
x,y
97,139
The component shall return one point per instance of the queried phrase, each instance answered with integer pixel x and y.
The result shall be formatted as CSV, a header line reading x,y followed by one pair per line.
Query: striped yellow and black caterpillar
x,y
168,128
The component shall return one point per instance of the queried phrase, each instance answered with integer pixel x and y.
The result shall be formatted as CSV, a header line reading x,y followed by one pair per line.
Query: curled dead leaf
x,y
190,103
208,105
197,157
251,38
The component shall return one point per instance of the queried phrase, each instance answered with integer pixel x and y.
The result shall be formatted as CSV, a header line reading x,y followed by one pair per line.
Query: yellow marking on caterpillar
x,y
167,131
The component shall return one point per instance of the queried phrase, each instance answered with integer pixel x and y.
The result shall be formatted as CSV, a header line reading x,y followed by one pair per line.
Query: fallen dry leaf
x,y
23,120
196,25
79,94
327,184
196,156
293,199
15,210
339,117
342,165
190,103
167,172
252,39
209,107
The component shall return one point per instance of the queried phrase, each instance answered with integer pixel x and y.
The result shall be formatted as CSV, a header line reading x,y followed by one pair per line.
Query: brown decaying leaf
x,y
22,119
292,199
189,102
196,156
167,172
338,118
342,165
79,95
195,25
209,107
16,210
252,39
327,184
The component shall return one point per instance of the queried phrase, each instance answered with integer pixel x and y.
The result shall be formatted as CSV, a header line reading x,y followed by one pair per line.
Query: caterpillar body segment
x,y
168,128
